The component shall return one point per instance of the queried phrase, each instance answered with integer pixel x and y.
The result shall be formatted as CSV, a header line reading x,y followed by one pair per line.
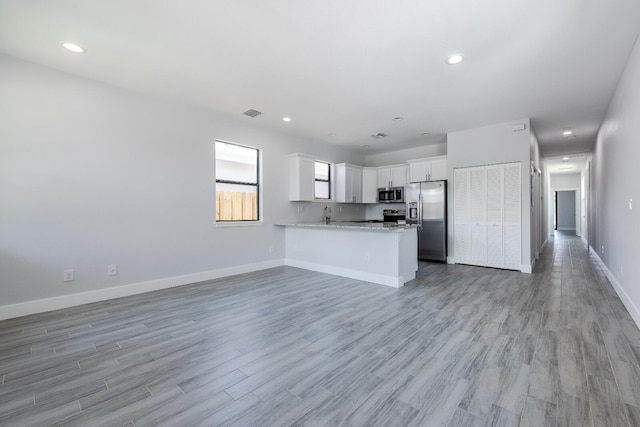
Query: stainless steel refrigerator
x,y
427,207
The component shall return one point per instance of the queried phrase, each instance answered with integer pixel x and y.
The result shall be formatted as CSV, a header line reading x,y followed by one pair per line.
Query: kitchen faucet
x,y
326,218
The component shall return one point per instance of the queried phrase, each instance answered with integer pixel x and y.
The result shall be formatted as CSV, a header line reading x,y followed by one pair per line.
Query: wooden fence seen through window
x,y
236,206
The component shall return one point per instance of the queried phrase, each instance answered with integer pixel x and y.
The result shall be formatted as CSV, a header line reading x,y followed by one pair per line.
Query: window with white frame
x,y
237,182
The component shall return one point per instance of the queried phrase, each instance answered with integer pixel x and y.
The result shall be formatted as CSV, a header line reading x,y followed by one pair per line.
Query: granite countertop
x,y
351,225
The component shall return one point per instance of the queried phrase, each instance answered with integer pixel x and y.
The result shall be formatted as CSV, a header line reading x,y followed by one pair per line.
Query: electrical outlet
x,y
112,270
67,275
272,249
630,204
300,207
602,250
367,256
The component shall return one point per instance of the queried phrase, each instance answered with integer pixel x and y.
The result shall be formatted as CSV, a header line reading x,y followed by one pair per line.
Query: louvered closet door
x,y
462,215
495,250
478,205
512,216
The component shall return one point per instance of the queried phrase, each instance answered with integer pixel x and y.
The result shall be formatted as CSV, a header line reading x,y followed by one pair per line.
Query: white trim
x,y
628,302
527,268
393,281
541,248
71,300
566,229
451,260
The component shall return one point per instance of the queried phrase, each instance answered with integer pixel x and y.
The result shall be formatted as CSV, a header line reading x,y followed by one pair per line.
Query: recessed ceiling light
x,y
365,146
397,119
567,131
565,159
425,133
571,137
73,47
455,59
286,119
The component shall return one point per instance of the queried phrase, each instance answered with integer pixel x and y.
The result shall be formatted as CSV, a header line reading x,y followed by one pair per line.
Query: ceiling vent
x,y
252,113
379,135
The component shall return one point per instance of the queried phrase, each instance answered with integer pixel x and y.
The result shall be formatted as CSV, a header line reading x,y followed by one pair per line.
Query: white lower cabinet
x,y
487,216
348,183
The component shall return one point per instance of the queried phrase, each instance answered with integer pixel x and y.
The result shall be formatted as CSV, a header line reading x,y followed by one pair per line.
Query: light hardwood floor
x,y
459,346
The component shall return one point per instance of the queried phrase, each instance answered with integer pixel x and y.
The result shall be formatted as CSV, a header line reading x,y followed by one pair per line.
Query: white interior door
x,y
512,228
495,196
462,215
478,216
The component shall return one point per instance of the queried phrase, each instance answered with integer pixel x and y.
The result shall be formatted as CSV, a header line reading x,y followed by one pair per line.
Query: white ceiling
x,y
348,67
570,163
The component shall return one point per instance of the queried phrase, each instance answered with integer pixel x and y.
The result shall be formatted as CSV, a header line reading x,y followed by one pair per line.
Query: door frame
x,y
577,200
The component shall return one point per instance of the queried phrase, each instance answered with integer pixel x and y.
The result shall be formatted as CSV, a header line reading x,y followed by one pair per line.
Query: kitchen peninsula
x,y
380,253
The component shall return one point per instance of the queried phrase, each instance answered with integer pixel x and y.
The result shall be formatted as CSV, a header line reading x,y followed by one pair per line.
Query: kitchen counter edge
x,y
350,225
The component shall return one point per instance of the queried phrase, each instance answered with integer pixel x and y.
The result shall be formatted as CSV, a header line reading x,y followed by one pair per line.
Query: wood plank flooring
x,y
459,346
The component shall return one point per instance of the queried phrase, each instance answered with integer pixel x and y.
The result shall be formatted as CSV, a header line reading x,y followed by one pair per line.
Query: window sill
x,y
225,224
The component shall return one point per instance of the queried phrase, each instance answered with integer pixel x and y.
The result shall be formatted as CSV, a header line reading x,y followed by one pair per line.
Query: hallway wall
x,y
615,176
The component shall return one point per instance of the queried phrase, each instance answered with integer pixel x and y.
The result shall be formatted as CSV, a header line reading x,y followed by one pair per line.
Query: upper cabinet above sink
x,y
348,183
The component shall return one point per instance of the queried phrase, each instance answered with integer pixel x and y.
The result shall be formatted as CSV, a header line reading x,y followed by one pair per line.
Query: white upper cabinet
x,y
429,169
348,183
369,185
392,176
301,177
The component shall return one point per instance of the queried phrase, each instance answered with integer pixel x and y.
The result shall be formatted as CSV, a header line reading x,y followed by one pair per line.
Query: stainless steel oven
x,y
391,195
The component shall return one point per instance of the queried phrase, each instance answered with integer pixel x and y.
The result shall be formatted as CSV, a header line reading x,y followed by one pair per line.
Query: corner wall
x,y
92,175
491,145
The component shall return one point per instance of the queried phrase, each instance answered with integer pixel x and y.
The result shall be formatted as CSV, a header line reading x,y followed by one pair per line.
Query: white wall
x,y
585,202
565,181
491,145
615,176
538,231
401,156
92,175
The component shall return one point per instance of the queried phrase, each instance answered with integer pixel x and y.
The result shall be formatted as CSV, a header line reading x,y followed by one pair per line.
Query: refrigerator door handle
x,y
420,211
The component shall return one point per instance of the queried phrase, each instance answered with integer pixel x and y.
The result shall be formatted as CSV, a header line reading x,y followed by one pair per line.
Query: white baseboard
x,y
566,229
628,303
380,279
71,300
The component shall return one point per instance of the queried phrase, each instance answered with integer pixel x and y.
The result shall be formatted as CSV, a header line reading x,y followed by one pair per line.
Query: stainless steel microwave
x,y
391,195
